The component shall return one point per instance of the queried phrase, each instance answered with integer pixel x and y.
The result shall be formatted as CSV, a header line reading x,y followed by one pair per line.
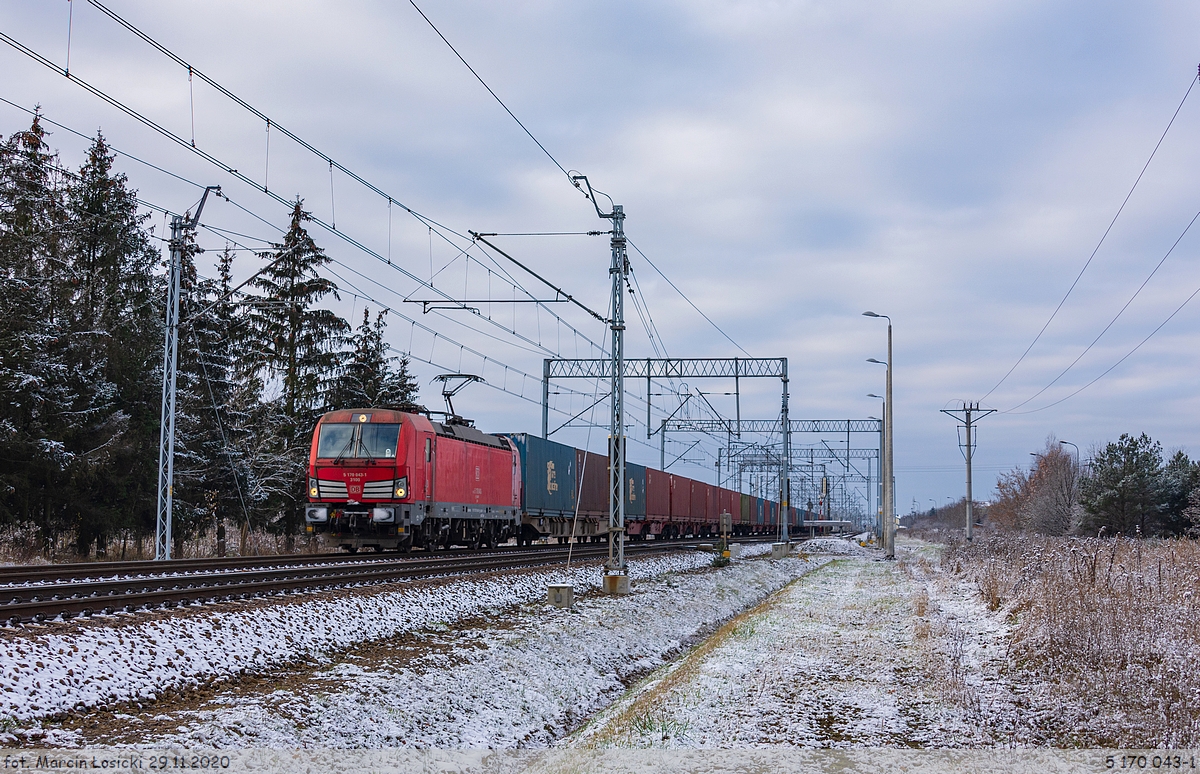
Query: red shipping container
x,y
698,511
658,495
702,497
593,496
725,505
681,497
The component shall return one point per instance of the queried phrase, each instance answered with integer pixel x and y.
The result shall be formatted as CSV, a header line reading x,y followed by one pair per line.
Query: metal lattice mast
x,y
616,453
166,436
180,226
785,472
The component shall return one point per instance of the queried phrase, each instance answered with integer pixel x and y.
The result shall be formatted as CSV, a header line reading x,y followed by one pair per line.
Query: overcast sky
x,y
787,164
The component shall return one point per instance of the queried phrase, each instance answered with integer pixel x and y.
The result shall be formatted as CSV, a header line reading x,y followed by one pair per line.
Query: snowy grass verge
x,y
1104,648
43,674
522,679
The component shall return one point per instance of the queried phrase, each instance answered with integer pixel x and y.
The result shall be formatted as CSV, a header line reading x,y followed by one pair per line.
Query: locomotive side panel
x,y
473,479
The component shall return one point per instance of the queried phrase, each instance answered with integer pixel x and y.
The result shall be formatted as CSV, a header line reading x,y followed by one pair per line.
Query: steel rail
x,y
69,599
15,574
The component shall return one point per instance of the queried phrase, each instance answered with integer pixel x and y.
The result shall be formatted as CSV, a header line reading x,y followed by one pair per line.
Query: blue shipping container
x,y
547,476
635,491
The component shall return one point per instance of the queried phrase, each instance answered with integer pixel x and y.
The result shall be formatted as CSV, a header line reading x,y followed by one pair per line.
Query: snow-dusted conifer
x,y
371,378
294,343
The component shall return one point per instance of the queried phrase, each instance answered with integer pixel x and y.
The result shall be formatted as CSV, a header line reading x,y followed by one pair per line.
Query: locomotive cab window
x,y
378,441
365,441
335,440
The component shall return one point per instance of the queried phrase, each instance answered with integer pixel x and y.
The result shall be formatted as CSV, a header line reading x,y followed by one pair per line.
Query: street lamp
x,y
889,482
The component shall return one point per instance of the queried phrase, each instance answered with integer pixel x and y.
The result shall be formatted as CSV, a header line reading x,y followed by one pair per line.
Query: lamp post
x,y
889,481
882,454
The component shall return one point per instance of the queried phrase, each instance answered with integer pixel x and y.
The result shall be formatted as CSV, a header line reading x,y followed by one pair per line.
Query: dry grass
x,y
1106,641
20,544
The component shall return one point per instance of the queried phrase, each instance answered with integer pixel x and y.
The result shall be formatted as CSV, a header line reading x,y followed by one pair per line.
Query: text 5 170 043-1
x,y
1150,761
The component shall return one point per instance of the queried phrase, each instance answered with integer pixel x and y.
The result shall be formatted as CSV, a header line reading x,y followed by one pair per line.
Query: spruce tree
x,y
296,345
1123,493
370,377
113,308
34,367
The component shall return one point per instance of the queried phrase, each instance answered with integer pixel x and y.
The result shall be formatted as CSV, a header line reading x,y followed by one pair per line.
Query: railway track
x,y
67,591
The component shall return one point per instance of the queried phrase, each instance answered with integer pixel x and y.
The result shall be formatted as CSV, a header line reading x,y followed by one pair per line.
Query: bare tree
x,y
1052,505
1044,499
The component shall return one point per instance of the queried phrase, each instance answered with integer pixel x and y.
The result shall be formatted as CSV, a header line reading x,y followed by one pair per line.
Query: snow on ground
x,y
836,546
486,662
859,653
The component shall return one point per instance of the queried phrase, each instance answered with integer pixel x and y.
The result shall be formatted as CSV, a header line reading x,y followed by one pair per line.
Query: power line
x,y
560,167
1103,237
1119,362
1113,321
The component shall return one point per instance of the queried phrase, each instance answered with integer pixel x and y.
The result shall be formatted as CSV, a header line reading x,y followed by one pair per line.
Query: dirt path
x,y
859,653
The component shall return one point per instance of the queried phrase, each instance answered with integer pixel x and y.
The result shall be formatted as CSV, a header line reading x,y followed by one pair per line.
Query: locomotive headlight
x,y
316,515
312,487
402,488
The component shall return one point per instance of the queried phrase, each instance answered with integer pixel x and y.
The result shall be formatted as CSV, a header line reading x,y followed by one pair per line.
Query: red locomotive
x,y
389,479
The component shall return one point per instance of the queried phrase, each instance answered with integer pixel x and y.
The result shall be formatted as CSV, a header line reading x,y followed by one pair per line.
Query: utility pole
x,y
181,225
969,414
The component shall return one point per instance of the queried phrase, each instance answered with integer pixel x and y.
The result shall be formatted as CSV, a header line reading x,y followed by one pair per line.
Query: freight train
x,y
385,479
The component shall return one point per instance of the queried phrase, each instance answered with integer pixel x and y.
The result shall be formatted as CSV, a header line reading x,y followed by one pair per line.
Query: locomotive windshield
x,y
378,440
361,441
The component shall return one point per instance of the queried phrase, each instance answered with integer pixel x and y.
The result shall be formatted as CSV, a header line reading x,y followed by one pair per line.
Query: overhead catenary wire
x,y
685,298
441,229
495,96
562,169
226,233
433,225
332,163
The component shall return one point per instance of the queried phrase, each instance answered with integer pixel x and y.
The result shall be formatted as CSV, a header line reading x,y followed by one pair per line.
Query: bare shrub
x,y
1104,638
920,602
